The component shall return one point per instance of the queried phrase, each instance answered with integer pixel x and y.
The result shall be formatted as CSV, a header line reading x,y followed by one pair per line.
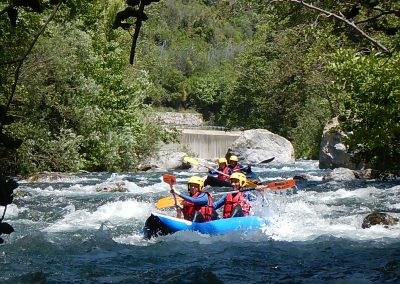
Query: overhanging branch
x,y
138,25
342,18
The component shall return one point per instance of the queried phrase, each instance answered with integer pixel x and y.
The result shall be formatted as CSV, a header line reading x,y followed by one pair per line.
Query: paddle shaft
x,y
195,162
277,185
217,171
246,168
235,191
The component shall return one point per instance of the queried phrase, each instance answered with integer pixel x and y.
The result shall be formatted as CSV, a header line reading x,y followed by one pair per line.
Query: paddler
x,y
236,204
198,206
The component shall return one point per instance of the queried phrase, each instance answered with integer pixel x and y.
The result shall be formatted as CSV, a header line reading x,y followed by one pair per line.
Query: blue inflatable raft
x,y
159,225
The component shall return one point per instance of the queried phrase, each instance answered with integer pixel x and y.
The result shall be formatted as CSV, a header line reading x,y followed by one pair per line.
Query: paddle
x,y
195,162
267,161
171,180
248,168
230,153
167,202
250,183
277,185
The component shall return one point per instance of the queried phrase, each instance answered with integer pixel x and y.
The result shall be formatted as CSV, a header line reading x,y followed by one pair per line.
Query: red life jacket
x,y
232,201
235,168
226,172
189,208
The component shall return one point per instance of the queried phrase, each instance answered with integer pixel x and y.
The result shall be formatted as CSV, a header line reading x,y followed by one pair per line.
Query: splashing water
x,y
67,231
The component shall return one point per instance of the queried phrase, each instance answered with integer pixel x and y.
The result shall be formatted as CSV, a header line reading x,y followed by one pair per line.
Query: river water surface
x,y
67,232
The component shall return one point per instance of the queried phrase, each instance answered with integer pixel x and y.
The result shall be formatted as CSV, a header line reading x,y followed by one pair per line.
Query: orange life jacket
x,y
189,208
232,201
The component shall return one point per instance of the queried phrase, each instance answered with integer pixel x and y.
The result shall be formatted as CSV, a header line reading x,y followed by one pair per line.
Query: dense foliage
x,y
370,86
279,65
78,105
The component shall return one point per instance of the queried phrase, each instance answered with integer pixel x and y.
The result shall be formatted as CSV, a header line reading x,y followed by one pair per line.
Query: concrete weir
x,y
208,144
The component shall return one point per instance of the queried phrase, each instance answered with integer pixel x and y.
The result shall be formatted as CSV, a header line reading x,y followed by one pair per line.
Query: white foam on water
x,y
134,239
116,177
395,206
139,187
281,169
307,216
299,217
84,190
74,190
117,213
12,210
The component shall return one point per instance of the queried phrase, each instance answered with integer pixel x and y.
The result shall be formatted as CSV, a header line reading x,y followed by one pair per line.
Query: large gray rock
x,y
168,157
256,145
116,186
333,152
170,160
340,174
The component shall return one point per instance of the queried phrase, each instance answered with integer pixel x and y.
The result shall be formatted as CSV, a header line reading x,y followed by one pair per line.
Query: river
x,y
67,232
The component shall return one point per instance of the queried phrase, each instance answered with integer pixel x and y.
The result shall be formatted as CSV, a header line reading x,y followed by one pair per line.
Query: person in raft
x,y
198,205
223,172
236,204
235,166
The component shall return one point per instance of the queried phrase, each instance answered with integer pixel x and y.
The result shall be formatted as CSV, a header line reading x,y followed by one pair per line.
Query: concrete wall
x,y
208,144
205,144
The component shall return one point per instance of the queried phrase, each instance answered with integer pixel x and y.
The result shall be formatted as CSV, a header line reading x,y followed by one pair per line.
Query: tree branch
x,y
343,19
382,13
137,30
4,213
21,60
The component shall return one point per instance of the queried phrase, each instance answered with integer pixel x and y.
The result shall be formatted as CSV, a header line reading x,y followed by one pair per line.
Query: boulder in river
x,y
340,174
256,145
378,218
118,186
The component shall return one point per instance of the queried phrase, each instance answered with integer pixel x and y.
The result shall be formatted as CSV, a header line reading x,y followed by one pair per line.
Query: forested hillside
x,y
70,100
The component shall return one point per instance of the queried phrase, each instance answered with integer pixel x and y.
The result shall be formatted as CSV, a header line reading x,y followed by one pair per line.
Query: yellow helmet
x,y
196,180
222,160
233,158
239,176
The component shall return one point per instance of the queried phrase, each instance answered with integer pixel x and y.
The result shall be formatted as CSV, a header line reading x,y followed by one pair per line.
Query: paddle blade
x,y
170,179
191,161
250,183
285,184
267,160
168,202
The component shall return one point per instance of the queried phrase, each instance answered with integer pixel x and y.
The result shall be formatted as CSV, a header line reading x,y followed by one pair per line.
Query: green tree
x,y
207,91
370,86
280,79
77,102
